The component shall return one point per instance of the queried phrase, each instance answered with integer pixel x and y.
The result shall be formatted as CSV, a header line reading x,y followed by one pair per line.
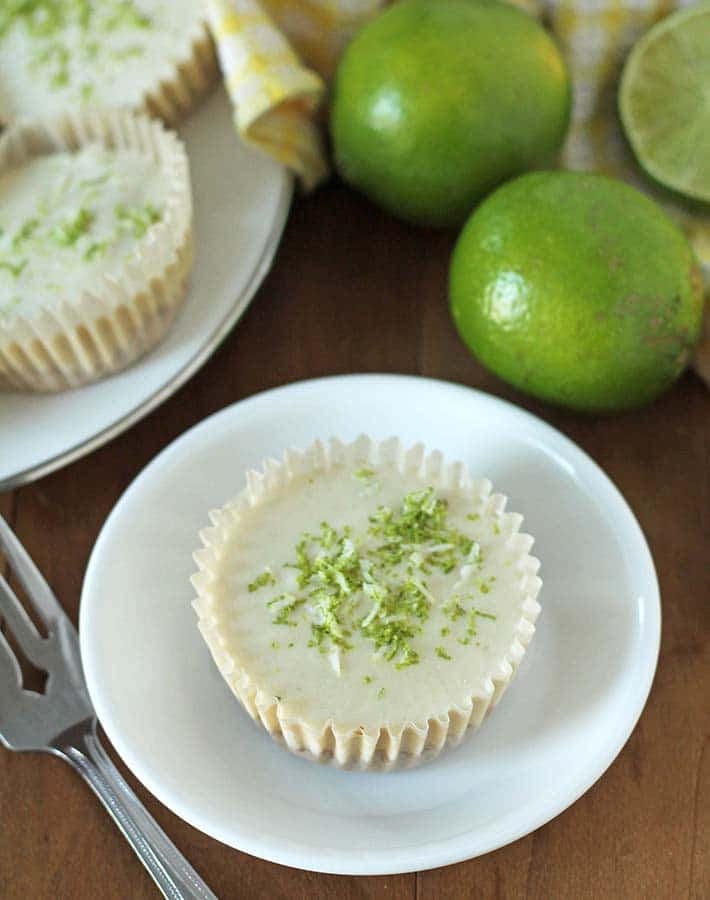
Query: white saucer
x,y
579,692
241,203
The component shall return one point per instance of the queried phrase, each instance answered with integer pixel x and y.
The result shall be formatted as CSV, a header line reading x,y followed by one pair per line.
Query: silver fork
x,y
62,720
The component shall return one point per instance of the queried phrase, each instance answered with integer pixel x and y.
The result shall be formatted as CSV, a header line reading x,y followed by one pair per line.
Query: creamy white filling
x,y
67,219
359,685
66,54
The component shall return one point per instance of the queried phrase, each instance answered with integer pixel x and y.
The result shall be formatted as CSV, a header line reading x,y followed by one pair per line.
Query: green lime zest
x,y
375,585
366,476
454,610
125,14
95,249
137,219
15,269
24,232
290,605
485,615
266,577
68,232
94,181
441,653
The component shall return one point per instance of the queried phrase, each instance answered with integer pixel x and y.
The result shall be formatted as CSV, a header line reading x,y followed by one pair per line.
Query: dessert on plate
x,y
95,245
366,603
60,55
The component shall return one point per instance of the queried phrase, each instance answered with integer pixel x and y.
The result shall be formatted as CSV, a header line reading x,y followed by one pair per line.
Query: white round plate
x,y
241,203
577,696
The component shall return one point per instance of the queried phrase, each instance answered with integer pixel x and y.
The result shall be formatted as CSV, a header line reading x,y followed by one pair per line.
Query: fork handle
x,y
172,873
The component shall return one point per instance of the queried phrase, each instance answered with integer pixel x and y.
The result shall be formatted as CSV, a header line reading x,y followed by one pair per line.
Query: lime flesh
x,y
664,102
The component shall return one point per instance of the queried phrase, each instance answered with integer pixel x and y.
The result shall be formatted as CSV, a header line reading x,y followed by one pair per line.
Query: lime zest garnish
x,y
136,219
27,229
73,227
485,615
95,249
441,653
96,181
291,604
266,577
454,610
375,585
15,269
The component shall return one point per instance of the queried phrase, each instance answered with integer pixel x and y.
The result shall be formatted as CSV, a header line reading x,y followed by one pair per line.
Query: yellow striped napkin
x,y
277,55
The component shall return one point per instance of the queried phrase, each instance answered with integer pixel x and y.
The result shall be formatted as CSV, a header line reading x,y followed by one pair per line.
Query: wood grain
x,y
352,291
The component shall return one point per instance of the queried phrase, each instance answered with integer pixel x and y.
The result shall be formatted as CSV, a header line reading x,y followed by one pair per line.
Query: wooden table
x,y
354,291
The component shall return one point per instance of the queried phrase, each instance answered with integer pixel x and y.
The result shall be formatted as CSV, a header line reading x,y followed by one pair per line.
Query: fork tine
x,y
9,666
30,577
33,645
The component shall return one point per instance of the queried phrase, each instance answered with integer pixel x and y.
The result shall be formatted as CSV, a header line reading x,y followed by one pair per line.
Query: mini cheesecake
x,y
95,245
68,219
365,603
74,54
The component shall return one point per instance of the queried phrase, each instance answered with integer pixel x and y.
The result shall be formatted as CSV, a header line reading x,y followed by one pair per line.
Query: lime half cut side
x,y
664,101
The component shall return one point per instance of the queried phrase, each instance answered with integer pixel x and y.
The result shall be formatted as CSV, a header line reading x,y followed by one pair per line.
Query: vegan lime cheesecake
x,y
366,603
95,245
73,54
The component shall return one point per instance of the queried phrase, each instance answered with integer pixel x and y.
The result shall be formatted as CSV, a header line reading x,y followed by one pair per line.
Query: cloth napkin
x,y
278,55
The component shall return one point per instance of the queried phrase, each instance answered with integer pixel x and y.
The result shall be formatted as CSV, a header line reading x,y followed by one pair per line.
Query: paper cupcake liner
x,y
191,79
390,745
67,344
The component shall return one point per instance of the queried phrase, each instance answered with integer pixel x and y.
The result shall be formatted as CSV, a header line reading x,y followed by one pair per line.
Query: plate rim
x,y
428,855
197,360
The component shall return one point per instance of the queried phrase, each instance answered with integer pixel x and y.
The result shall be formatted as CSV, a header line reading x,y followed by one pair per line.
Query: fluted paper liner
x,y
191,78
70,343
389,746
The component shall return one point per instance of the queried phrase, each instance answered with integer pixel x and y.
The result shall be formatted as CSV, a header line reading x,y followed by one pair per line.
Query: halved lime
x,y
664,101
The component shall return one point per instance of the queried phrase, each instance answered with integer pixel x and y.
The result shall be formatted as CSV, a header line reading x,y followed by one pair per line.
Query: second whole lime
x,y
436,102
578,289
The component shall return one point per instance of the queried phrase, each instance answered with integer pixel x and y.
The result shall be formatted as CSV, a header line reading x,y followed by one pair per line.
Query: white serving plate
x,y
241,202
577,696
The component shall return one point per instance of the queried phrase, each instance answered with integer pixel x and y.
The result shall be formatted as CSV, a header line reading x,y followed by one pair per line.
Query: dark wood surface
x,y
354,291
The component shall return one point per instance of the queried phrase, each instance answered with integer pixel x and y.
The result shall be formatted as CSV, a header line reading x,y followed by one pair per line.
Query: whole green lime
x,y
436,102
578,289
